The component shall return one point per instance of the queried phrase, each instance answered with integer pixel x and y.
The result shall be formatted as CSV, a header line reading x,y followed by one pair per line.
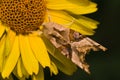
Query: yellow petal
x,y
2,29
9,41
53,68
83,9
2,49
77,26
24,71
66,20
40,51
74,6
11,59
19,70
28,58
60,17
87,22
40,75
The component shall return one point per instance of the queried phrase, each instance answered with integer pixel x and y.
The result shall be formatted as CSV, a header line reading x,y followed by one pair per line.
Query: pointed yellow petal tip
x,y
11,60
19,70
40,75
53,68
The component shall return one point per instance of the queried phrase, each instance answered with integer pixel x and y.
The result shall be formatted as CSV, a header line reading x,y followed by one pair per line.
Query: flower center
x,y
22,16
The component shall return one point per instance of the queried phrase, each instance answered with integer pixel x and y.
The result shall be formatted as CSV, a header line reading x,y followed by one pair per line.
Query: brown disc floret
x,y
22,16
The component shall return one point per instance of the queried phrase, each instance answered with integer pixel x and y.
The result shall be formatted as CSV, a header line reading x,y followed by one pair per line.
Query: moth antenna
x,y
70,23
49,16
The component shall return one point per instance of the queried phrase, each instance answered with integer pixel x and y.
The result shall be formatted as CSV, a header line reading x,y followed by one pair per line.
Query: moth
x,y
58,31
72,44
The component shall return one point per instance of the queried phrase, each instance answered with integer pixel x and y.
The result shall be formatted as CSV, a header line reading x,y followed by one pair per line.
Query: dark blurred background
x,y
103,65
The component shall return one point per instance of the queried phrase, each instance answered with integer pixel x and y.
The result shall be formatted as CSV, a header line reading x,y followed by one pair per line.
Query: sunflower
x,y
24,50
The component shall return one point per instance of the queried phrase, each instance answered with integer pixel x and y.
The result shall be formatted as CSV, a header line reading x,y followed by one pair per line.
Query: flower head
x,y
25,50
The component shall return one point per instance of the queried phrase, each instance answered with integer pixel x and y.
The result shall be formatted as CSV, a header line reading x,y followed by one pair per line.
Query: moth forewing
x,y
56,30
95,44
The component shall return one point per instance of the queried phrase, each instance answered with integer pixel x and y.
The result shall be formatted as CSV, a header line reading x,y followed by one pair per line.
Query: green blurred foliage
x,y
103,65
